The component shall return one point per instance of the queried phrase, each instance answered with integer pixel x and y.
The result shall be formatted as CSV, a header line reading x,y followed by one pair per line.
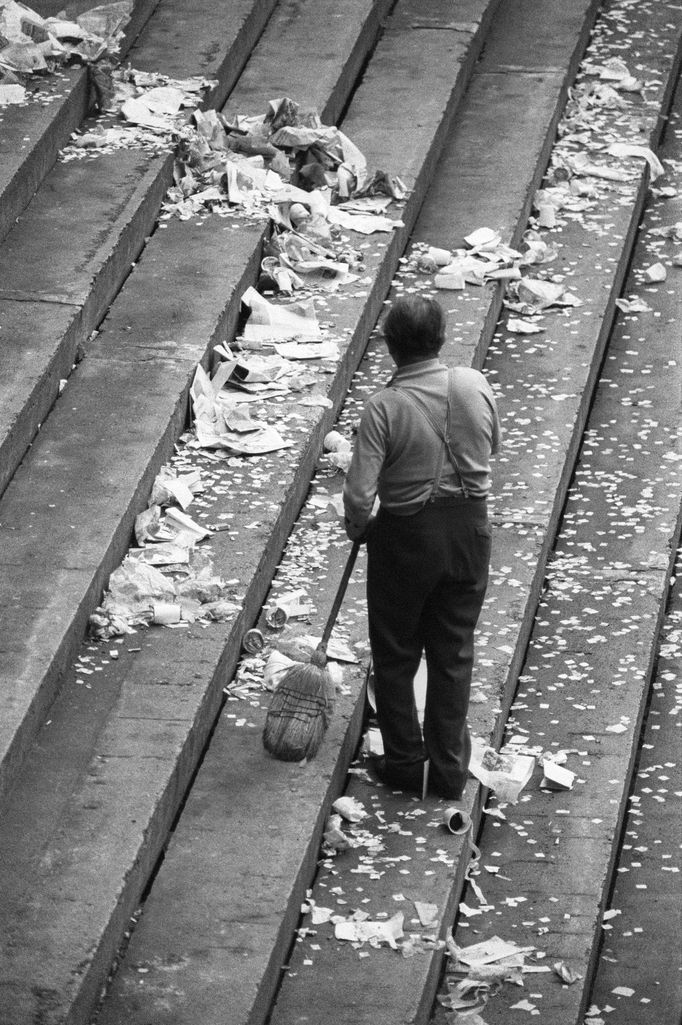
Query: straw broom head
x,y
300,710
302,704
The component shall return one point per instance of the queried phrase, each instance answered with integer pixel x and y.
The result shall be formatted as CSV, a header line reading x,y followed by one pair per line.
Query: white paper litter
x,y
388,931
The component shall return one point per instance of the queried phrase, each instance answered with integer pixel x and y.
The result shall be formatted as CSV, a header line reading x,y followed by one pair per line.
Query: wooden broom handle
x,y
343,584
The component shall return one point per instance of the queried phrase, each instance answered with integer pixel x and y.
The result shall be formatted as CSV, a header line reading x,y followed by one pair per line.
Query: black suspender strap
x,y
443,434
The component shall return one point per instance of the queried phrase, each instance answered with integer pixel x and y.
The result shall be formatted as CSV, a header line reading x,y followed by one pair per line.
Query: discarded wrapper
x,y
482,239
490,951
450,279
506,772
566,973
275,667
656,272
361,931
556,777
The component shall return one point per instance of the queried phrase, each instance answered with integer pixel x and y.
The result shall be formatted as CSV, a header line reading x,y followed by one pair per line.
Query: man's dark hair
x,y
415,326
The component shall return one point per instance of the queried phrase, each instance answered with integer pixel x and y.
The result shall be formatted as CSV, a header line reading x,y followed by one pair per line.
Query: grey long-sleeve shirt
x,y
396,452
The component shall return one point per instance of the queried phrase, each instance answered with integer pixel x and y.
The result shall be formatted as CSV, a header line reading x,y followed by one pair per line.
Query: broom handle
x,y
343,584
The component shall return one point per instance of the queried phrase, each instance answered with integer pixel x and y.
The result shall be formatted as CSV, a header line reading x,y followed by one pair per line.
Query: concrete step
x,y
546,385
586,682
640,946
31,135
59,952
68,254
222,941
235,262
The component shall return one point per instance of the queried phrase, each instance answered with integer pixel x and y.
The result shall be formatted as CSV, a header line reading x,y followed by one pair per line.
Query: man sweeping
x,y
423,446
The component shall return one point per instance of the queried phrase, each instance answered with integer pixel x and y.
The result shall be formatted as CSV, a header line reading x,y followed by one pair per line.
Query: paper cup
x,y
441,257
253,642
166,612
456,820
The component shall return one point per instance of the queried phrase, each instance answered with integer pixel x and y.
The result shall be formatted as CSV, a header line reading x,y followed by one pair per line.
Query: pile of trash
x,y
478,971
589,159
284,156
30,44
309,178
144,110
486,258
220,402
259,165
166,580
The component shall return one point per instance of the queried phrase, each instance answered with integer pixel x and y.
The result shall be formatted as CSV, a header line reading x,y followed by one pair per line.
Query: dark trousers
x,y
426,581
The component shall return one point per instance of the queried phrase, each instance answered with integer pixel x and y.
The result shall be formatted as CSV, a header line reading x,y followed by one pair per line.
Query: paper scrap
x,y
566,973
627,149
556,777
489,951
387,931
427,913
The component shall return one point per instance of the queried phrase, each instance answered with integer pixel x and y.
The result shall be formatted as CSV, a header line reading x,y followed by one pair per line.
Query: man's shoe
x,y
439,787
414,779
409,778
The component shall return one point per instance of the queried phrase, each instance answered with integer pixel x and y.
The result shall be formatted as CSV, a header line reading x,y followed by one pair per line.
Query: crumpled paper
x,y
30,43
505,772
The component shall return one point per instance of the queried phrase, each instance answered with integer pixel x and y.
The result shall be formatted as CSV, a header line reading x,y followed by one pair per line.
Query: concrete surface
x,y
122,887
156,692
33,133
82,231
165,974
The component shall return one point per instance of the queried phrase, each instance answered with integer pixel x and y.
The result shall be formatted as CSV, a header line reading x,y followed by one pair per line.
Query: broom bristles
x,y
299,713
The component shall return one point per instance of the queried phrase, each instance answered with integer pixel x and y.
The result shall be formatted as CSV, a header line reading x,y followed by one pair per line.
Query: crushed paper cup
x,y
351,809
276,618
334,836
441,257
546,215
334,441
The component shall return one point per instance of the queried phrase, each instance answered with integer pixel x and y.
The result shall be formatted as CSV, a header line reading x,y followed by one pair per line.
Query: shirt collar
x,y
415,369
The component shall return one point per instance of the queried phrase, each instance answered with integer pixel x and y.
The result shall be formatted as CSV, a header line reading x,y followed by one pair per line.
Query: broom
x,y
302,704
